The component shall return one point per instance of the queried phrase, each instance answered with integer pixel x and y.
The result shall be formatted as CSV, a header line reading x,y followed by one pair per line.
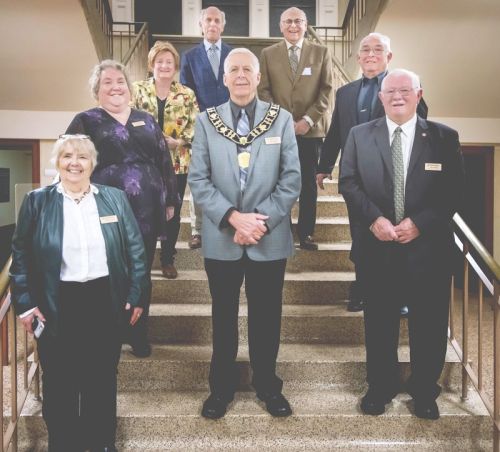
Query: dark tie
x,y
243,128
366,104
399,176
213,57
294,60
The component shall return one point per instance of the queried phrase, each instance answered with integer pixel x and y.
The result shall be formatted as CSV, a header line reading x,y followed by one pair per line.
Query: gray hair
x,y
294,9
95,76
77,141
415,79
384,39
255,60
203,13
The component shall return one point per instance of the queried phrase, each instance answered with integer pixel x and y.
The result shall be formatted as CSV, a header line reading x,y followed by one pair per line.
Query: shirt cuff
x,y
26,313
224,223
308,120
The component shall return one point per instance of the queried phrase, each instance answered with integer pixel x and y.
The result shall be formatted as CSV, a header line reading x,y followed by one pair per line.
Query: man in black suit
x,y
357,103
402,179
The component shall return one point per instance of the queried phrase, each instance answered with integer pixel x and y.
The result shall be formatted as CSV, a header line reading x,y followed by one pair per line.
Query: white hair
x,y
415,79
203,13
384,39
255,60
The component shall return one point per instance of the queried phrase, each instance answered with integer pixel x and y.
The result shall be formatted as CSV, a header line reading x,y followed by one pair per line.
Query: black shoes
x,y
214,407
427,409
374,403
276,404
141,349
355,305
308,243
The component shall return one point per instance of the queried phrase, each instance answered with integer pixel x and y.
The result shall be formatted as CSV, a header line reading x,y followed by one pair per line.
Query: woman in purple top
x,y
133,157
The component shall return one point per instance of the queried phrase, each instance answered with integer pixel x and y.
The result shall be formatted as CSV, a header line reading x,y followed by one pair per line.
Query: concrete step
x,y
191,286
329,257
327,206
308,324
322,420
300,366
327,230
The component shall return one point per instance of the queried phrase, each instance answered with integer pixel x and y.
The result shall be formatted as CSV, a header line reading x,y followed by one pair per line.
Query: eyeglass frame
x,y
405,92
290,22
76,136
376,51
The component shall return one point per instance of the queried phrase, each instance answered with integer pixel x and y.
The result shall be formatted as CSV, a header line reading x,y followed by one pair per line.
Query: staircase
x,y
321,360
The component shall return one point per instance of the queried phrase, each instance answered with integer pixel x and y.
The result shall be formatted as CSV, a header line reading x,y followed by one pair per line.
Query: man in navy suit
x,y
402,179
357,103
202,69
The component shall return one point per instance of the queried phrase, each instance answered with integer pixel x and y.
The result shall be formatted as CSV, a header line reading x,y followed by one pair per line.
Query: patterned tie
x,y
213,57
294,60
366,105
243,128
399,177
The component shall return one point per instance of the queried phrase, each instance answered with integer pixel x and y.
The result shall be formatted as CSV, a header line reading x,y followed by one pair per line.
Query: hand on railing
x,y
28,320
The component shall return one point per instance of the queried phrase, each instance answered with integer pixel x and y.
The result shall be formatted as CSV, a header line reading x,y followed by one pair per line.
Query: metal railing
x,y
341,39
15,359
478,264
131,47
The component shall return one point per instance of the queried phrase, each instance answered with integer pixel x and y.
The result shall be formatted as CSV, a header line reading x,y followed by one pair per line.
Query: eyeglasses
x,y
75,136
297,22
405,92
375,50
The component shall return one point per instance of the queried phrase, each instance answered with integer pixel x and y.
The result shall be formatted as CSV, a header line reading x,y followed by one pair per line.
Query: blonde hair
x,y
162,46
78,142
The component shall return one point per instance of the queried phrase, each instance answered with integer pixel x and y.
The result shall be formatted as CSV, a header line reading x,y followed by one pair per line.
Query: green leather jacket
x,y
37,252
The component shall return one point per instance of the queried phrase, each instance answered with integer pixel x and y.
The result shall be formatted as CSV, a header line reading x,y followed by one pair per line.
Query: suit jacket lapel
x,y
421,145
383,145
230,148
224,50
204,58
304,56
282,60
352,101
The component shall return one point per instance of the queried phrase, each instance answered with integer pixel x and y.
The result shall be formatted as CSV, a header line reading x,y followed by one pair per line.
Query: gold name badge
x,y
433,167
109,219
138,123
244,159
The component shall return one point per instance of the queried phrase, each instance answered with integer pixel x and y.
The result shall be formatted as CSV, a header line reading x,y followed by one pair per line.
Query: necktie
x,y
213,57
294,60
366,104
399,177
243,128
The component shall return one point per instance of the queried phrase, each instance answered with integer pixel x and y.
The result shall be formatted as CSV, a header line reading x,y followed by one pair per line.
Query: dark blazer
x,y
197,74
431,196
37,252
344,118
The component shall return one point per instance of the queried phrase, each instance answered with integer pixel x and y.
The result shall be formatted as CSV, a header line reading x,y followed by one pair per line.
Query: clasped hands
x,y
385,231
250,227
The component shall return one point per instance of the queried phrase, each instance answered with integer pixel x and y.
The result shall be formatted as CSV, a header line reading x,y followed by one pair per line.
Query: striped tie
x,y
213,57
243,128
294,60
399,177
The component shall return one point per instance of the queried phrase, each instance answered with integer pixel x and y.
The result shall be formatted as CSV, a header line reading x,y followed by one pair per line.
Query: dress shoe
x,y
214,407
308,243
355,305
276,404
169,271
141,349
374,404
195,241
404,311
426,409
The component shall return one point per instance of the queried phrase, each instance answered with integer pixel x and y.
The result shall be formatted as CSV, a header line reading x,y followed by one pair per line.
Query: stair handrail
x,y
476,257
134,56
100,21
31,373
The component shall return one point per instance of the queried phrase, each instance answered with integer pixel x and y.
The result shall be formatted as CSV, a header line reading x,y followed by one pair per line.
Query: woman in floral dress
x,y
175,108
132,156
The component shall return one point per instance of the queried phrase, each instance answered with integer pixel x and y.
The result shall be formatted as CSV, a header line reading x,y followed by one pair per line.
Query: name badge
x,y
109,219
433,167
273,140
138,123
307,71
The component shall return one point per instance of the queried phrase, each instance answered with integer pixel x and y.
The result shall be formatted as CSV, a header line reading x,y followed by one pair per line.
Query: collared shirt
x,y
83,248
298,45
407,137
249,109
364,88
218,44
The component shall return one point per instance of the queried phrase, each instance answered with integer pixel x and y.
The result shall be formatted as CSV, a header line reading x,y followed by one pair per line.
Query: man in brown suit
x,y
297,75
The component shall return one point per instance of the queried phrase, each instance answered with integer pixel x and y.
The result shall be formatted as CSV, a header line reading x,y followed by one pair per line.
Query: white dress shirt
x,y
83,248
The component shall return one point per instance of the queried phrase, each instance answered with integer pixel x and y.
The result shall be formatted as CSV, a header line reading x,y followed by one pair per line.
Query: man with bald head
x,y
402,179
357,103
297,74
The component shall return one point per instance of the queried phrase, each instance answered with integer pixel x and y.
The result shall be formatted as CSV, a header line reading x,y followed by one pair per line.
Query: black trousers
x,y
263,288
173,226
426,293
79,369
308,156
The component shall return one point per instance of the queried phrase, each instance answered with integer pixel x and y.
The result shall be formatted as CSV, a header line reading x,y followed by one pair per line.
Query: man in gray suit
x,y
245,176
